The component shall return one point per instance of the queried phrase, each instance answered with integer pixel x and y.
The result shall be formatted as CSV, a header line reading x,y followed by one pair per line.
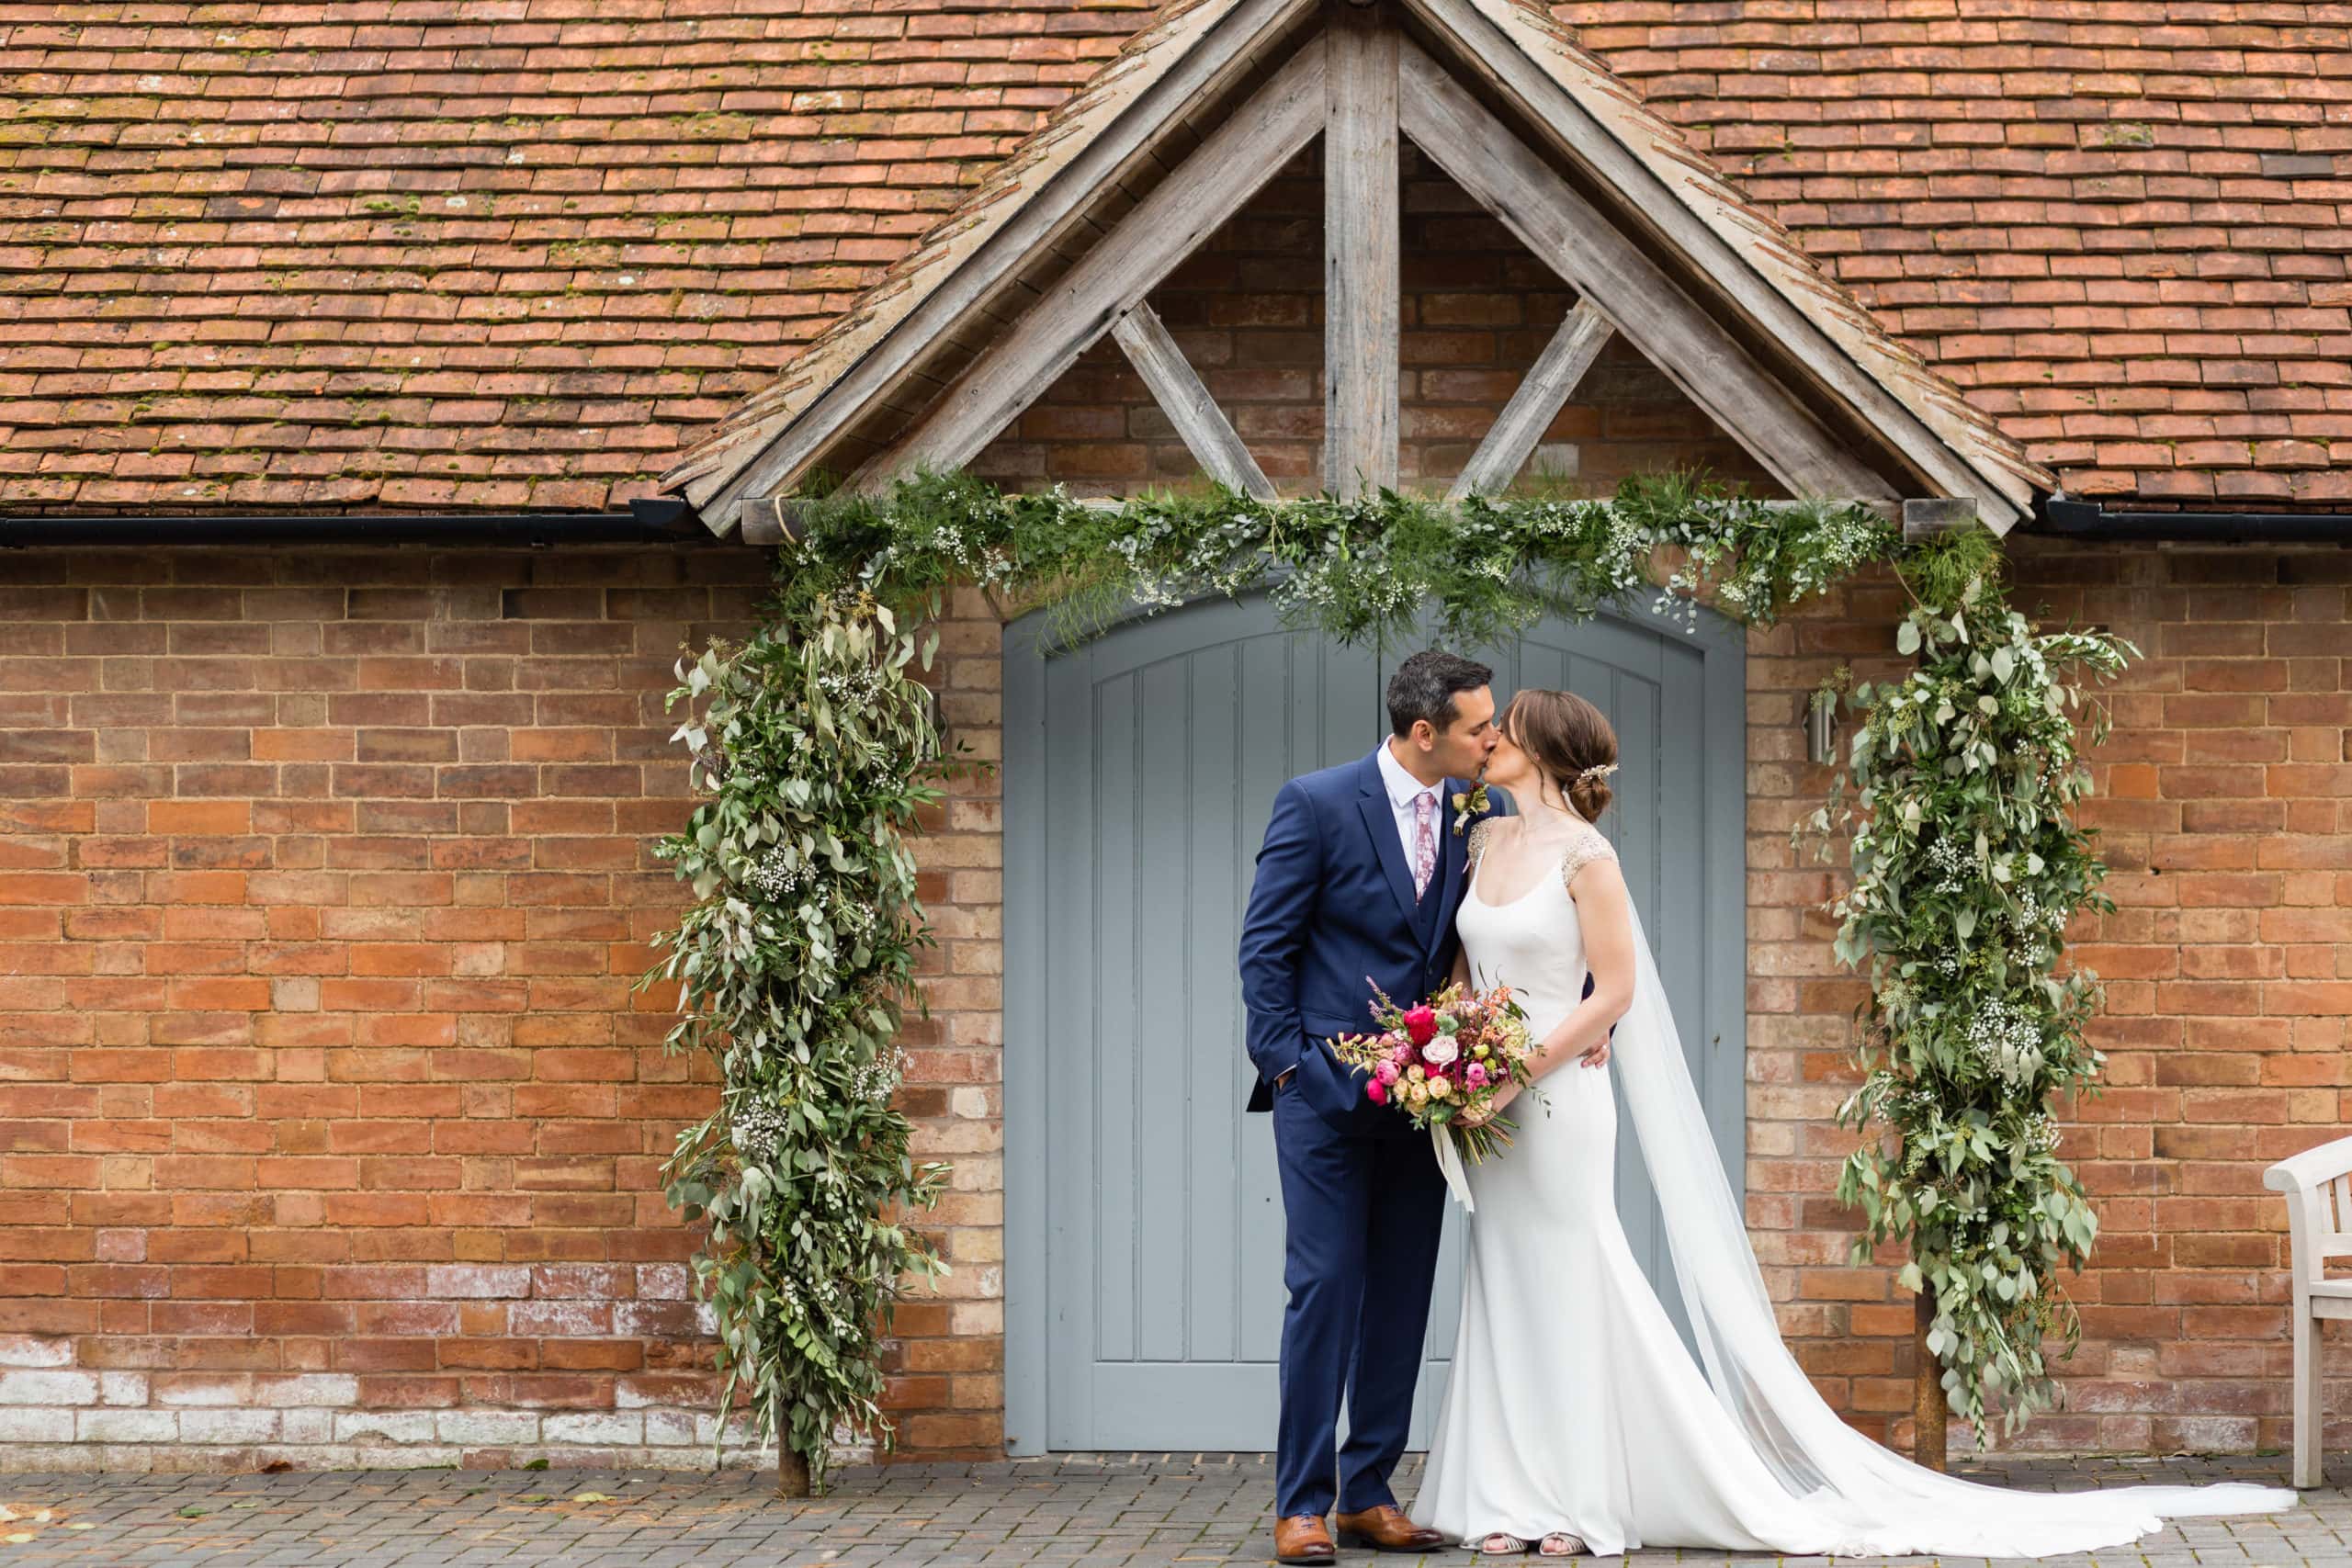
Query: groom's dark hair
x,y
1426,684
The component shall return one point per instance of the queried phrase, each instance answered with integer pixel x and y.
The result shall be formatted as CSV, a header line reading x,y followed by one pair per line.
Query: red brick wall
x,y
330,1127
2222,802
331,1130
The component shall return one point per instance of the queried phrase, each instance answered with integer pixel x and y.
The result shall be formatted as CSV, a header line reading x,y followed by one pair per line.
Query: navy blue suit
x,y
1333,907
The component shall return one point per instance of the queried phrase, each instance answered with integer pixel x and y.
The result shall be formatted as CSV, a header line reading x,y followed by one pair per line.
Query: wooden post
x,y
1927,1408
791,1471
1362,298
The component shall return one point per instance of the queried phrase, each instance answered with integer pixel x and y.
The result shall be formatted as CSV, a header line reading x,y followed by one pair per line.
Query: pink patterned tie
x,y
1424,840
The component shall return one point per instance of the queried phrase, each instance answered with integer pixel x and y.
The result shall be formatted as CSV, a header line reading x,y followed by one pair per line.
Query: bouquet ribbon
x,y
1449,1162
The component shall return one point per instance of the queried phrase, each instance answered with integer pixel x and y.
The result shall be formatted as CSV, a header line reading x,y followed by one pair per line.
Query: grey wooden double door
x,y
1143,1277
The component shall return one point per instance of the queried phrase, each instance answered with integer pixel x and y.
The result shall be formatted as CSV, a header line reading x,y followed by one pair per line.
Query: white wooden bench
x,y
2318,1185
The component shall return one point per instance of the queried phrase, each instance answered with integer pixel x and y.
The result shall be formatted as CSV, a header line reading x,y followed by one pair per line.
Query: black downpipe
x,y
2090,520
660,520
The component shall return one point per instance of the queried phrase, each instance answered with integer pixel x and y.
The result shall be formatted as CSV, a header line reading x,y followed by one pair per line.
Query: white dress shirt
x,y
1403,789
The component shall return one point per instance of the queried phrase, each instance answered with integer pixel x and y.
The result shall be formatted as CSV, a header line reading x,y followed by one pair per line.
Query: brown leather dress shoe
x,y
1301,1538
1385,1529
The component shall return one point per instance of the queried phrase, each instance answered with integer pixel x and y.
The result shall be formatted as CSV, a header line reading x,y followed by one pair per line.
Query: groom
x,y
1358,880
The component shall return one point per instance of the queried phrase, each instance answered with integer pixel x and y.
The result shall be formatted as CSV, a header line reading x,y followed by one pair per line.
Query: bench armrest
x,y
2312,1169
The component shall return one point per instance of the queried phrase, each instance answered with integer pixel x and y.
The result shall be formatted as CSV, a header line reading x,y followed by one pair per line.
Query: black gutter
x,y
2090,520
660,521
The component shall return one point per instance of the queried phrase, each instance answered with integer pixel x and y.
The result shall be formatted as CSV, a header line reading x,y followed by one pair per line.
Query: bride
x,y
1575,1418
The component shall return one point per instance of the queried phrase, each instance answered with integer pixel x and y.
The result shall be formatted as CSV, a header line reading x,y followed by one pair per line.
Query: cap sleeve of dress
x,y
1586,845
1481,833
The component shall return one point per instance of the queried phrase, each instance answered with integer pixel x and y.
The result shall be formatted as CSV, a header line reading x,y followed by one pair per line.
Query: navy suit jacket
x,y
1332,905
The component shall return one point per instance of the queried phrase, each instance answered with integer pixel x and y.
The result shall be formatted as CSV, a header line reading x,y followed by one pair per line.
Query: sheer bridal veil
x,y
1872,1494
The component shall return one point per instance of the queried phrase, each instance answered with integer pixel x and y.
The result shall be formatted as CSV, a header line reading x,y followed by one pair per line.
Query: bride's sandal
x,y
1501,1545
1560,1543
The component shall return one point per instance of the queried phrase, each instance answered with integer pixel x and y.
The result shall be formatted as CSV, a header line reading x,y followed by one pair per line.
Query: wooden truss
x,y
1364,85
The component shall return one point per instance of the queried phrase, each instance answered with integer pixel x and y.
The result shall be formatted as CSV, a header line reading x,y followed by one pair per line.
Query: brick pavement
x,y
1124,1509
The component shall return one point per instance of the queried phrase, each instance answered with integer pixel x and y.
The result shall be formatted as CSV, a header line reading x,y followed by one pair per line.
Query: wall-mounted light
x,y
937,707
1821,728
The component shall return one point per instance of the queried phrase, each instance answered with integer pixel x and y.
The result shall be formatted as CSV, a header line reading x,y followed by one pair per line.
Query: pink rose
x,y
1420,1022
1376,1093
1387,1072
1477,1074
1402,1055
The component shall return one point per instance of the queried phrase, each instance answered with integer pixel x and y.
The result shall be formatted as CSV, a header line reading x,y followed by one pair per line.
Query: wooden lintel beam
x,y
1223,173
1537,401
1207,434
1940,514
765,520
1691,347
1361,282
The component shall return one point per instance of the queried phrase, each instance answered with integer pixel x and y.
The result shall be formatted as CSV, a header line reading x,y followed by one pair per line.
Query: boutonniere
x,y
1468,804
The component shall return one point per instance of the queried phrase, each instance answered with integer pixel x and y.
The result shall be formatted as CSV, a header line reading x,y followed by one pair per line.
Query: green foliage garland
x,y
818,750
1967,869
1353,569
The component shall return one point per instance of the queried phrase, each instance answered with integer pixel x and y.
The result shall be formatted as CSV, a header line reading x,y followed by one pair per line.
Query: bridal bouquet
x,y
1440,1060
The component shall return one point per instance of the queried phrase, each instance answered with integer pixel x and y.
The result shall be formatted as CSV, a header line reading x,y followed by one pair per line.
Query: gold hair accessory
x,y
1598,771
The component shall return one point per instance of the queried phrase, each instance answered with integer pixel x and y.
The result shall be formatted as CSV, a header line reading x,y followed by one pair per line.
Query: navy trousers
x,y
1358,1311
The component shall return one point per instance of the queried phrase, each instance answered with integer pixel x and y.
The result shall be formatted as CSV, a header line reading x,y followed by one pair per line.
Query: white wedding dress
x,y
1573,1404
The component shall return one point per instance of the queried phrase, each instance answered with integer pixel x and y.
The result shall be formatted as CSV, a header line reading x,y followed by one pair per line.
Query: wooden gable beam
x,y
1578,133
1222,53
1361,281
1207,434
1538,400
1227,168
1687,345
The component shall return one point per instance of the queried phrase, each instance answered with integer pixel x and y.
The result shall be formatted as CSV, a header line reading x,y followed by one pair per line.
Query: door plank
x,y
1212,936
1107,1057
1163,986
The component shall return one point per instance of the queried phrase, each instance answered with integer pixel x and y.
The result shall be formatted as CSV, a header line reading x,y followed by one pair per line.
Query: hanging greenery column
x,y
1967,871
795,965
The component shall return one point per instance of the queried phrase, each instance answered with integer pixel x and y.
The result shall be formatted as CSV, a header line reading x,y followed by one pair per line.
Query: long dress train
x,y
1574,1405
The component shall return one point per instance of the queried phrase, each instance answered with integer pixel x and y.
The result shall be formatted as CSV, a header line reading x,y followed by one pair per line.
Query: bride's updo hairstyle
x,y
1566,738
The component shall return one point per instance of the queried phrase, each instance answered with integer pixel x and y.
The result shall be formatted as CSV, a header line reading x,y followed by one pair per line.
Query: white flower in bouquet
x,y
1441,1051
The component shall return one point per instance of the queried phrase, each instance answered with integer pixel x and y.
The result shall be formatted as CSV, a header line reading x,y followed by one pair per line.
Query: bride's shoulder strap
x,y
1481,835
1586,845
